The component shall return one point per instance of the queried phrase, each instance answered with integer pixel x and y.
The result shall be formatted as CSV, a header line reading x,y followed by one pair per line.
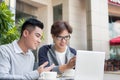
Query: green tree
x,y
8,31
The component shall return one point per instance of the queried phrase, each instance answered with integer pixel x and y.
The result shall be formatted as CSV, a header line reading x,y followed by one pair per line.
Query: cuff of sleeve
x,y
35,74
56,68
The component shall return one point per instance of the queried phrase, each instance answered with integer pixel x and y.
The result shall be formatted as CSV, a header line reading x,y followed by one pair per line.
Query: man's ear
x,y
25,33
53,36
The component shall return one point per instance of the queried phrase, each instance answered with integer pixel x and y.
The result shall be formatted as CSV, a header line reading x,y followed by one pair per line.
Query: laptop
x,y
89,65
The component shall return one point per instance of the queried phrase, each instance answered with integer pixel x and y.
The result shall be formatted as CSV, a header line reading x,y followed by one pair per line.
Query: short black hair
x,y
31,22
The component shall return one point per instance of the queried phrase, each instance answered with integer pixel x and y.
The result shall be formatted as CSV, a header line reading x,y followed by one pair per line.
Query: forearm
x,y
29,76
64,67
56,69
60,69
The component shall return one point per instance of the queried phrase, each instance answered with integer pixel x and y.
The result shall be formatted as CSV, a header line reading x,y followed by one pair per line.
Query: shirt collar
x,y
17,48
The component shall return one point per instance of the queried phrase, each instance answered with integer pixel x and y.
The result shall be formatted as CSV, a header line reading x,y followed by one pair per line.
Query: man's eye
x,y
37,35
66,36
59,37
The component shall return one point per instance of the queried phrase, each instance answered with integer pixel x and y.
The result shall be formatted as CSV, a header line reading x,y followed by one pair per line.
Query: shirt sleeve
x,y
29,76
5,69
42,54
56,69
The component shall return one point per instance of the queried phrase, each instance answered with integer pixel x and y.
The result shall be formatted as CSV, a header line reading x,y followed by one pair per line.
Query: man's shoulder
x,y
6,49
5,46
46,46
8,45
72,50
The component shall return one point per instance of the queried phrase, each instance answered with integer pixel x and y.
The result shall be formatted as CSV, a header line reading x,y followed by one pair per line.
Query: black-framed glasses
x,y
63,37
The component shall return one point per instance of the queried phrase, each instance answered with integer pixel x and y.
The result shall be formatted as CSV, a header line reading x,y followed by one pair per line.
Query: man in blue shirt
x,y
17,59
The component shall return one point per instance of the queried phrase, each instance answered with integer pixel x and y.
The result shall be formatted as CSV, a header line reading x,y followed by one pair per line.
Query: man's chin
x,y
34,48
63,45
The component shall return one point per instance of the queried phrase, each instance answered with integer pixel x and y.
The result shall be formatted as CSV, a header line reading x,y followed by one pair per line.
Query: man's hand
x,y
42,68
71,63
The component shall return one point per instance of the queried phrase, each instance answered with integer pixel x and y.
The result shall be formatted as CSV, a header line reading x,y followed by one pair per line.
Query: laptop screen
x,y
89,65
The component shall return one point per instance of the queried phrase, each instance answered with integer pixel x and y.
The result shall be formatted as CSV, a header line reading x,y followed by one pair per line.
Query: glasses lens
x,y
59,37
67,37
63,37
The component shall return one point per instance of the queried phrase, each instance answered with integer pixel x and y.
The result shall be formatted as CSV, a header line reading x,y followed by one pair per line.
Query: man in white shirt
x,y
17,59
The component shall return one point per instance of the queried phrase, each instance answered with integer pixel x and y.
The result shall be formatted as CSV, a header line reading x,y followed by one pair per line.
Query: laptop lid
x,y
89,65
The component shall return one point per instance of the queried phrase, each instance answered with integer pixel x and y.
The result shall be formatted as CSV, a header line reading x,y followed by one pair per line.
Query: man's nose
x,y
63,39
39,40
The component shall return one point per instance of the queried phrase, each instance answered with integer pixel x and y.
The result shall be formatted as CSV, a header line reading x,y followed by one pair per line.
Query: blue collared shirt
x,y
16,65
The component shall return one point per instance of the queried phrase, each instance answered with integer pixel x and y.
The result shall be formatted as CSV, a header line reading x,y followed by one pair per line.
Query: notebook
x,y
89,65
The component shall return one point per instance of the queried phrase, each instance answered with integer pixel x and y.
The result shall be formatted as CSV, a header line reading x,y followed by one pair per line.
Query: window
x,y
114,26
21,12
57,12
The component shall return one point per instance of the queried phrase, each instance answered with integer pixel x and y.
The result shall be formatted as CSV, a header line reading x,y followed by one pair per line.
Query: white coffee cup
x,y
69,72
48,75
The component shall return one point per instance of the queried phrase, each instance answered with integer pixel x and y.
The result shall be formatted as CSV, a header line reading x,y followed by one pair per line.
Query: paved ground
x,y
111,77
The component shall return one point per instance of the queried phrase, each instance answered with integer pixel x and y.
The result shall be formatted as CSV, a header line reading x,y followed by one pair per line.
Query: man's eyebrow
x,y
65,36
38,34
